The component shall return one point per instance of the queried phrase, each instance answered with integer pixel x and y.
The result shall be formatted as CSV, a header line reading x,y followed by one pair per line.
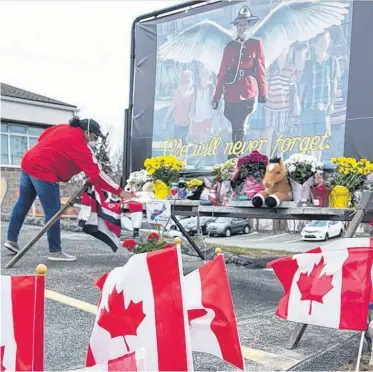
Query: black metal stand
x,y
365,205
187,236
47,226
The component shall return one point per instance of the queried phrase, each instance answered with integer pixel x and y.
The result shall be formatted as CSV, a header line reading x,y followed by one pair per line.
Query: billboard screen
x,y
227,78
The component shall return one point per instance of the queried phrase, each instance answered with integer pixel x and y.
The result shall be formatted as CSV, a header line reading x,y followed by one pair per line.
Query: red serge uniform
x,y
242,72
60,153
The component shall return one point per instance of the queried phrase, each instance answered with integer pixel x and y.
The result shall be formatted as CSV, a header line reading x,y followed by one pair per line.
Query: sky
x,y
73,51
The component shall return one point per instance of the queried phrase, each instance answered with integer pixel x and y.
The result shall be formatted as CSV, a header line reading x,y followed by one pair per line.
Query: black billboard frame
x,y
352,104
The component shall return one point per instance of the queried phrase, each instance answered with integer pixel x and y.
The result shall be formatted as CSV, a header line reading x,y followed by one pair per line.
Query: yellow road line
x,y
269,360
70,301
262,357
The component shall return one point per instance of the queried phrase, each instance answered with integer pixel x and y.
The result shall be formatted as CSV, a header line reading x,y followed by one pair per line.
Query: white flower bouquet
x,y
137,179
302,169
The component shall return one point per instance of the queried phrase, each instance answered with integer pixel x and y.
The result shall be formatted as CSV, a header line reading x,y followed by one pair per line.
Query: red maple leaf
x,y
195,314
314,287
119,321
2,358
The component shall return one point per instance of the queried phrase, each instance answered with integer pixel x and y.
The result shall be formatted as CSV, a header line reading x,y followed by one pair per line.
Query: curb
x,y
230,258
331,359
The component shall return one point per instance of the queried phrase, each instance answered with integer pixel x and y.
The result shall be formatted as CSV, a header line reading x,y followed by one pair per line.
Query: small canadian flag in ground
x,y
141,307
212,319
22,323
326,288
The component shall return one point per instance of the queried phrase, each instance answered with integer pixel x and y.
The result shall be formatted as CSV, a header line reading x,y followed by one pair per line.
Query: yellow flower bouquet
x,y
351,173
164,168
194,183
351,176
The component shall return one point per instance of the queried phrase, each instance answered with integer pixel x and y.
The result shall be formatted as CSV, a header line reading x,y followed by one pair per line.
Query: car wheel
x,y
228,233
246,229
326,237
341,233
204,230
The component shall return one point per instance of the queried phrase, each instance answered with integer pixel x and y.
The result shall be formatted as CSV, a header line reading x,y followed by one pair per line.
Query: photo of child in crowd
x,y
237,79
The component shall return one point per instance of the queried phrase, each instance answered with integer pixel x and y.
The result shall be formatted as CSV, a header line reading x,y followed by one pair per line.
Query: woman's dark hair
x,y
75,122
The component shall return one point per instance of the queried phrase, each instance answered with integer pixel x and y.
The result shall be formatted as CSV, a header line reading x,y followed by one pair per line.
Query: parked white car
x,y
322,230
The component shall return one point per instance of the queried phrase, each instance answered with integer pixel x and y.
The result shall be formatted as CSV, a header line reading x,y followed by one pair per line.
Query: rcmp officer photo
x,y
242,75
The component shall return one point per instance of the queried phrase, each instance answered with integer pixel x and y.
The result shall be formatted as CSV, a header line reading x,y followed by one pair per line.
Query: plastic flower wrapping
x,y
301,167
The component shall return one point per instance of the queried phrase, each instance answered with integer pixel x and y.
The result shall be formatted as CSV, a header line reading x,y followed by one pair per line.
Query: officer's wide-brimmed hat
x,y
245,15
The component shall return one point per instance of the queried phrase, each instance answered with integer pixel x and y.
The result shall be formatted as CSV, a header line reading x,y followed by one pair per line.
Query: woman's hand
x,y
126,195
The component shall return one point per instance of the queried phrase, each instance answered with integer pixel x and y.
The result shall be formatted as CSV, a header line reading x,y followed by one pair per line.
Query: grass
x,y
254,253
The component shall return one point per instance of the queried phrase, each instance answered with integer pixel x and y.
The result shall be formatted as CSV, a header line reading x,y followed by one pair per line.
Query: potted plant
x,y
250,172
301,170
153,242
350,177
163,170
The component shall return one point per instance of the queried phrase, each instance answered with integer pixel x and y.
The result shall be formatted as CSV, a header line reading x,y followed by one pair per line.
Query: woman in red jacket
x,y
61,152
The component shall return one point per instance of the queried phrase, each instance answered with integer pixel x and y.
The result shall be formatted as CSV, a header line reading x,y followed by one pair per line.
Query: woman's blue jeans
x,y
49,195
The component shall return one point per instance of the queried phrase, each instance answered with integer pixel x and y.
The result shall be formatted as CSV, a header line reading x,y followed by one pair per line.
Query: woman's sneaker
x,y
11,246
61,256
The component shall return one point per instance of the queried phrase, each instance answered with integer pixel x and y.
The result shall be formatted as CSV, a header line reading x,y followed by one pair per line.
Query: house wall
x,y
10,191
35,112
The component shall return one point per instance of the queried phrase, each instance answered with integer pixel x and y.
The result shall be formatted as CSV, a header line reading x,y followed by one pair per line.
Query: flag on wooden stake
x,y
22,323
141,306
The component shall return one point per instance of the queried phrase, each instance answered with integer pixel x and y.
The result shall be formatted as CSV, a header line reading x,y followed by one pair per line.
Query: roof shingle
x,y
10,91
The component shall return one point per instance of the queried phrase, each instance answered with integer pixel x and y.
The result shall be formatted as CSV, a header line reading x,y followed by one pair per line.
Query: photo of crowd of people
x,y
240,77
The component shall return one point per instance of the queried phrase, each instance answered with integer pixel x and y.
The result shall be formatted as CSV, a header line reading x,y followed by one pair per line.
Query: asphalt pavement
x,y
290,242
71,296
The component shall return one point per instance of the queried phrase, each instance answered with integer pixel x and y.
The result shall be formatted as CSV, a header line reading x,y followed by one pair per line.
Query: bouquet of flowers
x,y
195,188
153,242
164,168
192,184
224,171
223,174
250,172
137,179
351,173
302,167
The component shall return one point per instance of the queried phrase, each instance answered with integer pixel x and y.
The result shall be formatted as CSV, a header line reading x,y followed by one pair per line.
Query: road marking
x,y
267,359
264,358
268,237
70,301
292,241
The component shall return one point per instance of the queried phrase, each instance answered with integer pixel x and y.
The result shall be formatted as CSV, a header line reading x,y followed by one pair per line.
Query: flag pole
x,y
39,314
41,269
360,351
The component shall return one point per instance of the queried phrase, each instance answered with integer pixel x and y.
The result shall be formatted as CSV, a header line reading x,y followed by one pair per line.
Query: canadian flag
x,y
141,307
100,217
212,319
22,323
127,362
326,288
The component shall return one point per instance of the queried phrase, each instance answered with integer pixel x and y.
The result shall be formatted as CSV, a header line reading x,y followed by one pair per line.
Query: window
x,y
16,139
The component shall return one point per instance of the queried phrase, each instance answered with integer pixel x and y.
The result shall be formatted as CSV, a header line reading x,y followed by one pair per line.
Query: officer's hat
x,y
245,15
